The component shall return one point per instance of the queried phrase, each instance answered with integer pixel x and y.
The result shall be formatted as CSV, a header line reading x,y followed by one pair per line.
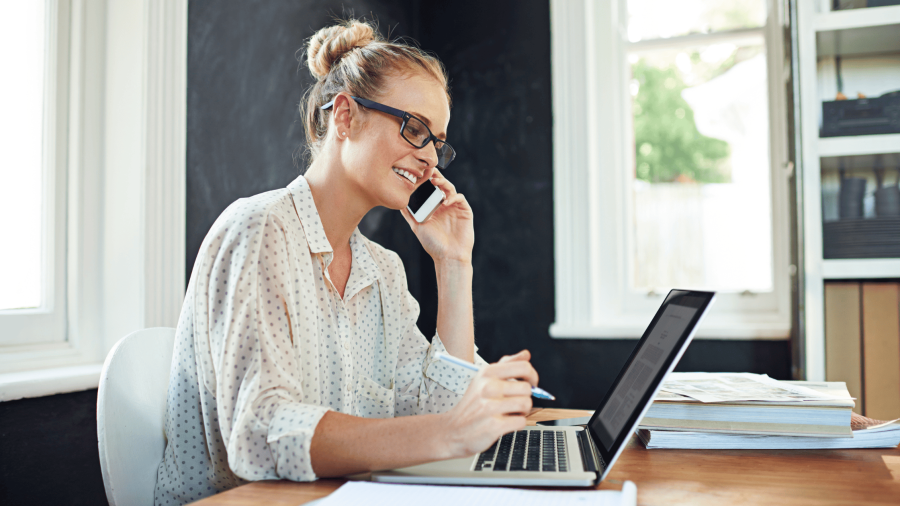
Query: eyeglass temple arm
x,y
371,105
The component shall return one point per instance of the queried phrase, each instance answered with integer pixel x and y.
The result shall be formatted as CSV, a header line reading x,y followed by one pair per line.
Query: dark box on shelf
x,y
862,238
865,116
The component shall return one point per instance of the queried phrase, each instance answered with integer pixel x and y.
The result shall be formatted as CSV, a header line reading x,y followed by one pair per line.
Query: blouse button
x,y
347,346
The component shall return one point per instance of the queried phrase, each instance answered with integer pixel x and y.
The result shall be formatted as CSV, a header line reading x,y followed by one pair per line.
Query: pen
x,y
538,392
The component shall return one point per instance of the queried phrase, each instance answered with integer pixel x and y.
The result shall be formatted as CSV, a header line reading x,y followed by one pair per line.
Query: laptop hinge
x,y
588,452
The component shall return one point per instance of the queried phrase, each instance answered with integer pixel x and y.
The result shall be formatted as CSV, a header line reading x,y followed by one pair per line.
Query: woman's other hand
x,y
449,234
492,406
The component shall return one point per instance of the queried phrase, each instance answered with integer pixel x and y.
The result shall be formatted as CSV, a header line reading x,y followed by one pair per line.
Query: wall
x,y
48,451
245,134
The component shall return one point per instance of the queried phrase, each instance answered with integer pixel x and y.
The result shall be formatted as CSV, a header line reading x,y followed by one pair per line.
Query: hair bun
x,y
329,44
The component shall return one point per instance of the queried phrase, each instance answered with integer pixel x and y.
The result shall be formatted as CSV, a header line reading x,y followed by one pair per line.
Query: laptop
x,y
579,456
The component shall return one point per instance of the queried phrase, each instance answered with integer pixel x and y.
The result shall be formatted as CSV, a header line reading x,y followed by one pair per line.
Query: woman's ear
x,y
344,111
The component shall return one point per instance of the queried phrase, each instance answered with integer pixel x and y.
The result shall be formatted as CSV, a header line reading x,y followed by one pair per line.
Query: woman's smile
x,y
408,177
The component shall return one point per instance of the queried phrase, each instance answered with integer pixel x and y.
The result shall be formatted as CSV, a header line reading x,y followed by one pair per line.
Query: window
x,y
669,143
699,173
91,184
32,178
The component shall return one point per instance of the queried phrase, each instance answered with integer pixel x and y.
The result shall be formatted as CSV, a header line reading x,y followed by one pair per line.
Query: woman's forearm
x,y
454,319
344,444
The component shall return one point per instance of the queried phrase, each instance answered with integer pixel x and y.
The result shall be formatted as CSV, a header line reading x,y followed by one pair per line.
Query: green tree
x,y
667,143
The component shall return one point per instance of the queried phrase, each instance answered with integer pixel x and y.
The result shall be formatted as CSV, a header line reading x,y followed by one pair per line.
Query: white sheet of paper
x,y
388,494
731,387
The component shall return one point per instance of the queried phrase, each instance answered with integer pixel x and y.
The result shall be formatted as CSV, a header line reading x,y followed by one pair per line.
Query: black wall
x,y
245,133
48,451
244,84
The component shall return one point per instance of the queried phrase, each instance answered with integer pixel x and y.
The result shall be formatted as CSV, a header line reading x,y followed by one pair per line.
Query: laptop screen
x,y
645,369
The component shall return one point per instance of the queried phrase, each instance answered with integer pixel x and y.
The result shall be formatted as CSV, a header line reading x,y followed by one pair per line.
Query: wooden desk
x,y
694,477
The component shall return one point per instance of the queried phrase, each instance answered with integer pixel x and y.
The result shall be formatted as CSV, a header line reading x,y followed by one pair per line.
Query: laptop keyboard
x,y
526,450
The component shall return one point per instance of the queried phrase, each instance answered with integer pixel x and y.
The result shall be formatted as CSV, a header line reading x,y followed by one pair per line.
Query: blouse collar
x,y
364,270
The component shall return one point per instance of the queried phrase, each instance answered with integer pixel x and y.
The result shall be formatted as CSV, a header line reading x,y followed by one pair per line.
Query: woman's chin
x,y
396,206
396,201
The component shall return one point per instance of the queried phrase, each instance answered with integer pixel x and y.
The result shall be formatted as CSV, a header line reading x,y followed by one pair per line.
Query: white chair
x,y
131,406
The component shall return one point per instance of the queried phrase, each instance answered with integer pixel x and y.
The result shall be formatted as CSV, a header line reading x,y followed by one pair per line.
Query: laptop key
x,y
532,459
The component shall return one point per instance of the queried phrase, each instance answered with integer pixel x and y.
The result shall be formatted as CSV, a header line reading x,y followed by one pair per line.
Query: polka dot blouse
x,y
265,346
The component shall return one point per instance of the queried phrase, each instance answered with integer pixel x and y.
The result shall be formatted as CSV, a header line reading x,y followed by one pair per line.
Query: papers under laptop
x,y
583,455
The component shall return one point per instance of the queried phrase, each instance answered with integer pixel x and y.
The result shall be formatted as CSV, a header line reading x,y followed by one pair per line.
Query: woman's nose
x,y
427,154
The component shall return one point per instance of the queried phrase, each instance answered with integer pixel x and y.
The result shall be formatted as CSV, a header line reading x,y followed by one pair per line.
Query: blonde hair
x,y
353,57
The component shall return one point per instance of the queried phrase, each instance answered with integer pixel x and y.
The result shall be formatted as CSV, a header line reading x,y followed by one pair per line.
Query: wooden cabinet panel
x,y
881,349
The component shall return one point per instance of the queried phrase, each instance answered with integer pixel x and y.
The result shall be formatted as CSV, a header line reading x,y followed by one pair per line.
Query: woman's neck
x,y
337,199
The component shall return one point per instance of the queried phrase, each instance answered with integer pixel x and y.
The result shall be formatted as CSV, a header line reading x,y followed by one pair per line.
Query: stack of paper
x,y
385,494
738,403
750,411
867,433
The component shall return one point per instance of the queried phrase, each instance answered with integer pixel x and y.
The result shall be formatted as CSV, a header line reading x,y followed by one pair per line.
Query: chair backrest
x,y
131,407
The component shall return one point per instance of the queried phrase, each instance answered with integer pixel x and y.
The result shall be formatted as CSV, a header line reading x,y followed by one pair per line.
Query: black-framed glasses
x,y
414,130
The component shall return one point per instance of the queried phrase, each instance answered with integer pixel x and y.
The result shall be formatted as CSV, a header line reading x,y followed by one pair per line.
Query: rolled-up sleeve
x,y
424,383
266,426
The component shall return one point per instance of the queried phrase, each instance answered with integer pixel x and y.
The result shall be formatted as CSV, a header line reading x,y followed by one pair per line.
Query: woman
x,y
297,354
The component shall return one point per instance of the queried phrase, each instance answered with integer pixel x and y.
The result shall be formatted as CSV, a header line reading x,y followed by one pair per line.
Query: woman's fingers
x,y
516,389
522,355
446,186
513,369
458,198
514,405
498,388
409,219
513,423
515,397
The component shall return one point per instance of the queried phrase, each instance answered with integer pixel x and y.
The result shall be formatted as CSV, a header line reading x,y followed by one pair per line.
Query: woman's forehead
x,y
423,97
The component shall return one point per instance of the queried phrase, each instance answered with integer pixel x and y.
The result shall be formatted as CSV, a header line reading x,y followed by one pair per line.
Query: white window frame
x,y
592,118
121,150
45,325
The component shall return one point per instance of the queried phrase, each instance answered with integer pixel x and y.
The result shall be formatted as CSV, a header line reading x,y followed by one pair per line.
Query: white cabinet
x,y
868,38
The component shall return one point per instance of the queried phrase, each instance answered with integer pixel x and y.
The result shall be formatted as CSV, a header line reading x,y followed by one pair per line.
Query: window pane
x,y
22,41
700,180
655,19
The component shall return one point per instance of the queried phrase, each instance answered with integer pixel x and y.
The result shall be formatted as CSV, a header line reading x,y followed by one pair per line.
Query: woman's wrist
x,y
452,266
446,446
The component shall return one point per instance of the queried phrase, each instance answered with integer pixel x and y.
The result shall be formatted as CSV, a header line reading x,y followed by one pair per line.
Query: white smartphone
x,y
425,201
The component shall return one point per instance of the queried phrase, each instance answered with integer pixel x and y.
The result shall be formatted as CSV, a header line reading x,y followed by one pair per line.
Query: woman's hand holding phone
x,y
449,234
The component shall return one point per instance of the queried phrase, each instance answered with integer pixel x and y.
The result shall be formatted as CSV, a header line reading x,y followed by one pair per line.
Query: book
x,y
824,415
867,433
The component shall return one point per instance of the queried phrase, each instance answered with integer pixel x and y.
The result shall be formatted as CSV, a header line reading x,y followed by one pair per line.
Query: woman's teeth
x,y
406,174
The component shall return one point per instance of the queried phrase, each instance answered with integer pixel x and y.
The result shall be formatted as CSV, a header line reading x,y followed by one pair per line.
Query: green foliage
x,y
667,142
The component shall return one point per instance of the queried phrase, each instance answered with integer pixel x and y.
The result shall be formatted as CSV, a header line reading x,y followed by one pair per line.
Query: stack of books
x,y
747,411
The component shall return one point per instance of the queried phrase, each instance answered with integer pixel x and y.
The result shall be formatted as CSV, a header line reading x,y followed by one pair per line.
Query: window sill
x,y
58,380
627,328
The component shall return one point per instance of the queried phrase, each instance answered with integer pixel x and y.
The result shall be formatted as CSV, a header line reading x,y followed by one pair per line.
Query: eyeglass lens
x,y
418,135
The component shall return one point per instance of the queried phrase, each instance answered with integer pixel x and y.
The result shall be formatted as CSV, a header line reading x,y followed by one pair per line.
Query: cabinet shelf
x,y
859,145
858,31
858,18
868,268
